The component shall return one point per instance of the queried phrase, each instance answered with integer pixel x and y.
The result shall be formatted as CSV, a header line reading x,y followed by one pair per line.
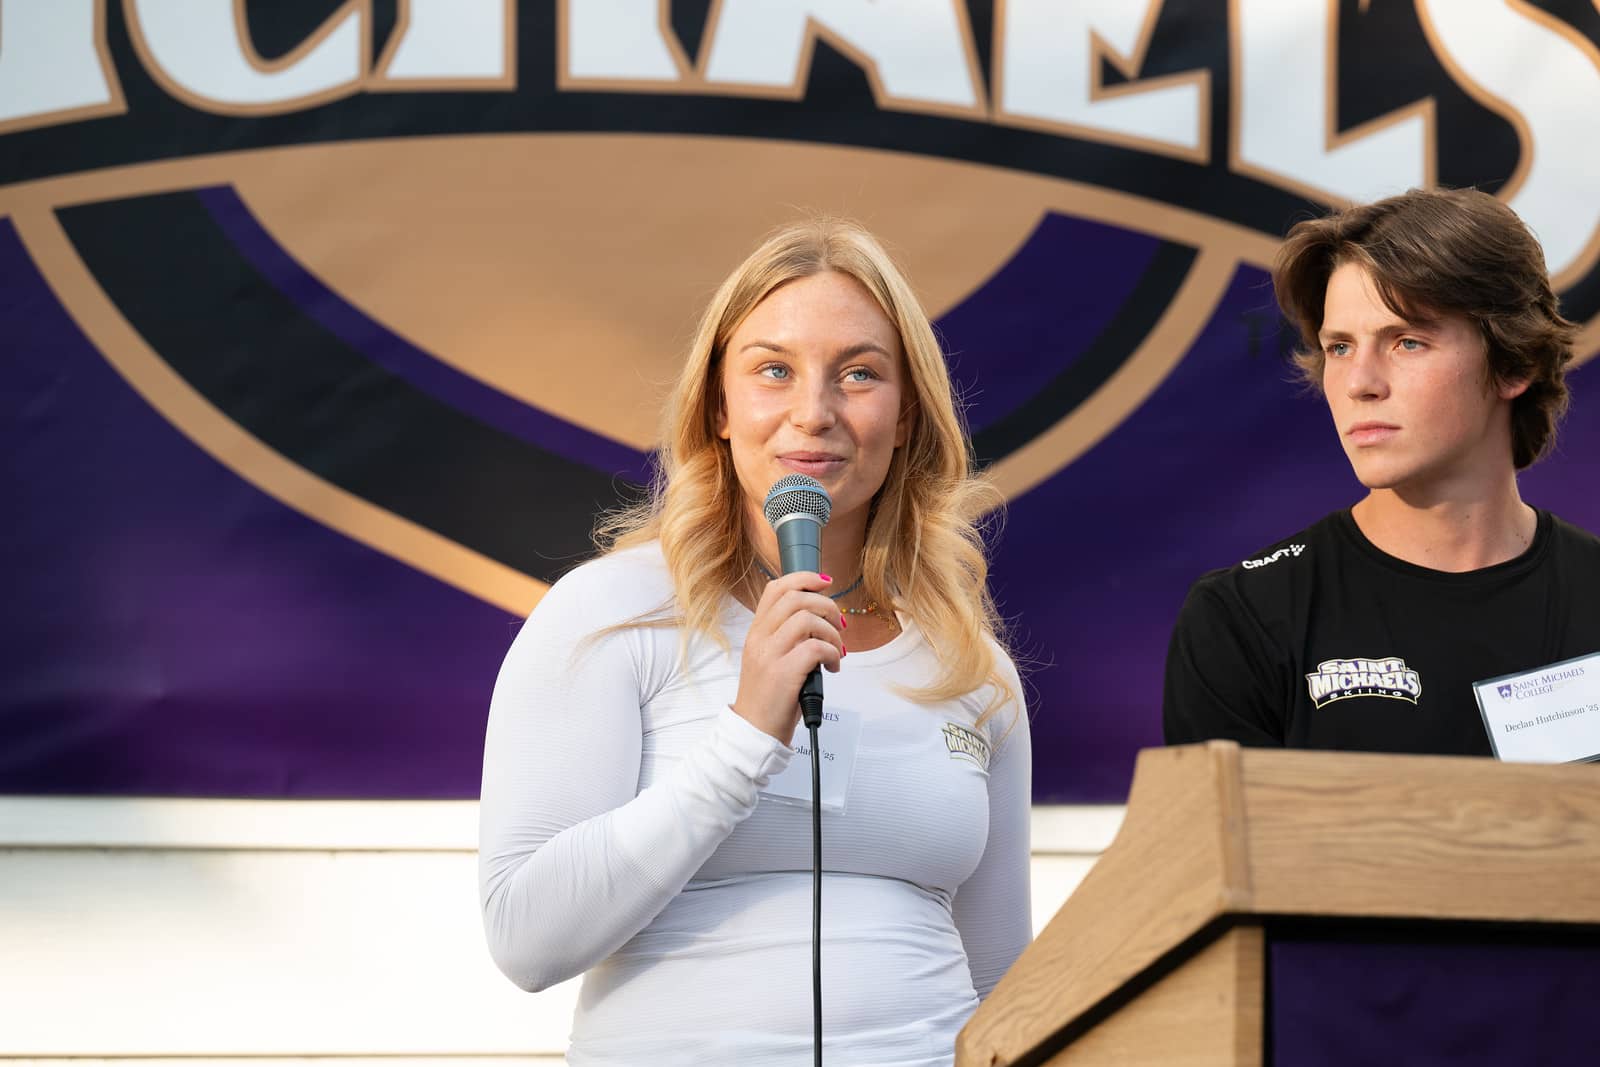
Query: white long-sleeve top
x,y
625,835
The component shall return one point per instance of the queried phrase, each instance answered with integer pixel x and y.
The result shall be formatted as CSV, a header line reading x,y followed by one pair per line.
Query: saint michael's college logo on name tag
x,y
1337,679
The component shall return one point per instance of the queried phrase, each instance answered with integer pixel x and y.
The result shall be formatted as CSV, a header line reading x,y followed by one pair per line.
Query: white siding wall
x,y
208,930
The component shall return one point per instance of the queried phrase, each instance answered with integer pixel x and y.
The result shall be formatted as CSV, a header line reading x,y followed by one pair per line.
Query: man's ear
x,y
1507,388
1510,390
1504,388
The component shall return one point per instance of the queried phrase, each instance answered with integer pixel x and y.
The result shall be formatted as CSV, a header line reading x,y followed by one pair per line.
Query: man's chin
x,y
1379,476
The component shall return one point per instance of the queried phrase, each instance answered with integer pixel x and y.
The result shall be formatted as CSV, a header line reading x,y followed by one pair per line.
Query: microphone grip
x,y
800,549
799,543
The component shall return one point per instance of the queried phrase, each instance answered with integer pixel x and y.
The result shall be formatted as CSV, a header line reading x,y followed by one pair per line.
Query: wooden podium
x,y
1165,954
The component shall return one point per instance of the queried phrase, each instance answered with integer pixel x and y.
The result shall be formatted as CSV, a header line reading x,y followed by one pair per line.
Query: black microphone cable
x,y
811,712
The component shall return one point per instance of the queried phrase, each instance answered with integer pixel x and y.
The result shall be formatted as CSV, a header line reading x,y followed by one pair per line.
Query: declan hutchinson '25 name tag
x,y
1546,715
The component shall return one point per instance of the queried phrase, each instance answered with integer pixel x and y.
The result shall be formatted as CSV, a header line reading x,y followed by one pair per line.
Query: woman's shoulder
x,y
1002,700
1002,653
618,586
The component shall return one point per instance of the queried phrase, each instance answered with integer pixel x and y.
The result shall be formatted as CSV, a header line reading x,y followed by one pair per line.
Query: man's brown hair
x,y
1443,251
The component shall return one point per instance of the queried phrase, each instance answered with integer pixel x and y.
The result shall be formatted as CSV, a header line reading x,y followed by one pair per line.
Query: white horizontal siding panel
x,y
360,825
193,953
296,1061
163,822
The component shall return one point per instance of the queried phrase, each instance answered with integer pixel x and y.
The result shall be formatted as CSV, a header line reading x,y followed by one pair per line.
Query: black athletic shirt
x,y
1323,641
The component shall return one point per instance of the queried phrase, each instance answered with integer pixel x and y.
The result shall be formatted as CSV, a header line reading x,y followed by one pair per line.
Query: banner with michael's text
x,y
329,326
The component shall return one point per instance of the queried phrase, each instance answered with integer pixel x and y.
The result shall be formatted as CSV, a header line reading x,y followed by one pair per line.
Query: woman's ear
x,y
902,426
721,420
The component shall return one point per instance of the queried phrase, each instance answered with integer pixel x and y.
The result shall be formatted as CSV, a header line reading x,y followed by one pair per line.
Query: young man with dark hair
x,y
1430,327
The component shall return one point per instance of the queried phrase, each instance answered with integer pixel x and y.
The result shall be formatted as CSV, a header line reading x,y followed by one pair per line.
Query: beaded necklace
x,y
872,605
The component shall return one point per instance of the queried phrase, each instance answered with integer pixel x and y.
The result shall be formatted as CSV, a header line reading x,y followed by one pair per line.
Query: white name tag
x,y
837,739
1547,715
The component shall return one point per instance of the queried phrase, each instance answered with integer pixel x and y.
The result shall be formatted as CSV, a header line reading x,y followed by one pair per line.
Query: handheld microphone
x,y
797,507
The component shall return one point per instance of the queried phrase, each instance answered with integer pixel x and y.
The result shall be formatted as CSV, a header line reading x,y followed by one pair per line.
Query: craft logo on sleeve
x,y
966,744
1287,552
1337,679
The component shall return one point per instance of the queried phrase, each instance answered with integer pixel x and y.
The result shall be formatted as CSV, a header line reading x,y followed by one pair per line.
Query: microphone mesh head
x,y
798,494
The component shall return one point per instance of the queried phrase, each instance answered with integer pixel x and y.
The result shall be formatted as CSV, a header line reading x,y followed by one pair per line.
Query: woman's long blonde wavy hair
x,y
924,552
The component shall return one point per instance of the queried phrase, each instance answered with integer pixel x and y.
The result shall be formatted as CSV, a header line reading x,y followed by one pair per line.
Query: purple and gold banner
x,y
329,327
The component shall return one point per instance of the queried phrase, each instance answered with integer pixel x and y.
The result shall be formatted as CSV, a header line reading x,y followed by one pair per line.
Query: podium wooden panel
x,y
1159,955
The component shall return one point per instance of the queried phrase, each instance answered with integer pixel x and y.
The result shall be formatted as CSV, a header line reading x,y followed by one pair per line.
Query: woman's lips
x,y
815,464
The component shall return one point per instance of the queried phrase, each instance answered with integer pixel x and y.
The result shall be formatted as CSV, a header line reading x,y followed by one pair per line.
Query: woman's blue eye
x,y
775,370
859,374
1338,348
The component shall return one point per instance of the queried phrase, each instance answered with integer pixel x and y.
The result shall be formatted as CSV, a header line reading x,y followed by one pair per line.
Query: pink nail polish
x,y
842,624
824,577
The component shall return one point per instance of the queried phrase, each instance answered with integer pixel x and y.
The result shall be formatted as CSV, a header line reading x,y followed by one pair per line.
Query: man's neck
x,y
1456,531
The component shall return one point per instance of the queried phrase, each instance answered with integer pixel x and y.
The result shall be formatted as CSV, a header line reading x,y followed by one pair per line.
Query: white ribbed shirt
x,y
624,836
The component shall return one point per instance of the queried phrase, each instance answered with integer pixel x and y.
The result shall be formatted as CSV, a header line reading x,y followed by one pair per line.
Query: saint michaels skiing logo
x,y
1340,679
